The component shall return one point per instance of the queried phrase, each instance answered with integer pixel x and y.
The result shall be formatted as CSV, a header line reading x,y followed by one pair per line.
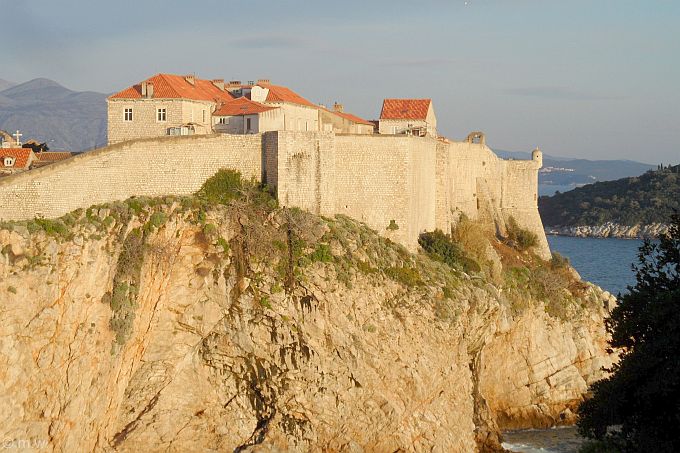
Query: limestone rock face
x,y
215,362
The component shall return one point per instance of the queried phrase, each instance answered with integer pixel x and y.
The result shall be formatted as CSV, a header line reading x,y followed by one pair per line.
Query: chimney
x,y
191,79
338,108
149,89
219,83
143,89
251,82
264,82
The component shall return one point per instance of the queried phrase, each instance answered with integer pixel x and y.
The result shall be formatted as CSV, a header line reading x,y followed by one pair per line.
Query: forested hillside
x,y
649,198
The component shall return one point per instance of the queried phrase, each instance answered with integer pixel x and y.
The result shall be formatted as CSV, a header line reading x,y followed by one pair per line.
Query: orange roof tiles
x,y
22,157
169,86
241,106
283,94
405,109
353,118
53,156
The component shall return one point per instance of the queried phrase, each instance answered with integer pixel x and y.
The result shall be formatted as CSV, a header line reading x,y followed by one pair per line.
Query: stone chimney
x,y
219,83
147,90
191,79
233,85
264,82
338,108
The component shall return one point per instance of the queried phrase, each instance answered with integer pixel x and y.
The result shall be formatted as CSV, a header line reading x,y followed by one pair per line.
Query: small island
x,y
635,207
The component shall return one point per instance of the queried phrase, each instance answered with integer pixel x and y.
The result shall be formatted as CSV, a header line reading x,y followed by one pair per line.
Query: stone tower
x,y
537,156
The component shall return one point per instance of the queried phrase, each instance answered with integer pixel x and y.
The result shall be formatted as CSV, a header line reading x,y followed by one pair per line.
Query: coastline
x,y
610,230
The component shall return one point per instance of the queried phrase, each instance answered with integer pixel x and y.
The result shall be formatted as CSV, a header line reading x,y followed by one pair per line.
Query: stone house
x,y
15,160
408,116
340,122
244,116
298,113
165,104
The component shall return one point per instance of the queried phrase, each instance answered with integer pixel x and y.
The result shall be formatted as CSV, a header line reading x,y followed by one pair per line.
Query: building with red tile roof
x,y
242,106
168,104
408,116
15,160
339,121
165,104
244,116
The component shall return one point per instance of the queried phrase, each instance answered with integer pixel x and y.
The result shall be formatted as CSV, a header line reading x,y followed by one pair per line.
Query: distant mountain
x,y
4,84
47,112
567,173
647,199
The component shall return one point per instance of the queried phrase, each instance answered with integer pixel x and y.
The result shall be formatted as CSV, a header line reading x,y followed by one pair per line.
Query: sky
x,y
594,79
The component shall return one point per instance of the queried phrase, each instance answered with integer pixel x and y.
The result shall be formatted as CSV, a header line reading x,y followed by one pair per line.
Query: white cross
x,y
17,136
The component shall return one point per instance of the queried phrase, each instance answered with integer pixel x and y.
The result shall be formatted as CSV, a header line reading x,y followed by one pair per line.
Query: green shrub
x,y
407,276
558,261
135,205
55,228
264,302
441,248
393,226
223,187
224,244
209,229
12,289
156,220
520,238
322,254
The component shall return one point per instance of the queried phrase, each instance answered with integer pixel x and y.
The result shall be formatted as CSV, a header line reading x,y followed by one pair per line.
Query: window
x,y
9,161
248,124
224,120
204,116
128,114
161,115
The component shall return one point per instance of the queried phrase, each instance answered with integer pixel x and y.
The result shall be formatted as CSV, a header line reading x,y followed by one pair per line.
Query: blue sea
x,y
607,263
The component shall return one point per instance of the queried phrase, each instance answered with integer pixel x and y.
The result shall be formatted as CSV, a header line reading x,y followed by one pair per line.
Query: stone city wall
x,y
398,185
147,167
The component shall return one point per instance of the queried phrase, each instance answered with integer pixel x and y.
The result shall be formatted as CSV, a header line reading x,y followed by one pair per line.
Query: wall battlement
x,y
419,184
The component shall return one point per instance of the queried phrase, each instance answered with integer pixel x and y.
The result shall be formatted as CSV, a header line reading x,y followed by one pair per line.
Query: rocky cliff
x,y
165,325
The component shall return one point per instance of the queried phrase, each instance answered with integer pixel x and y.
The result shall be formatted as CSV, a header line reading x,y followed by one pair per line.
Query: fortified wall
x,y
415,184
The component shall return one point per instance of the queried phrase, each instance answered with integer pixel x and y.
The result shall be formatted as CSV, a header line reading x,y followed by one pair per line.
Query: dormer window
x,y
8,161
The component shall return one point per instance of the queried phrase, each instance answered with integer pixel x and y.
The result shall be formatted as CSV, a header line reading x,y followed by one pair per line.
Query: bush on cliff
x,y
520,238
642,396
442,248
228,185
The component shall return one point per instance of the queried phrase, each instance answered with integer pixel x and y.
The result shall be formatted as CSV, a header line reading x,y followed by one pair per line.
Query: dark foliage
x,y
642,396
520,238
442,248
650,198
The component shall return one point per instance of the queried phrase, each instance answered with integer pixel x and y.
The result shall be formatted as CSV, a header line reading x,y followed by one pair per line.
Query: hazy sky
x,y
580,78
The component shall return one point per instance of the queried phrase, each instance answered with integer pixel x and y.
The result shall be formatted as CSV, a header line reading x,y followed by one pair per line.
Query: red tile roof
x,y
53,156
405,109
241,106
353,118
283,94
169,86
22,157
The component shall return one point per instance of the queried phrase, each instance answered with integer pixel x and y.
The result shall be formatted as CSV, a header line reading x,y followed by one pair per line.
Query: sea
x,y
608,264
